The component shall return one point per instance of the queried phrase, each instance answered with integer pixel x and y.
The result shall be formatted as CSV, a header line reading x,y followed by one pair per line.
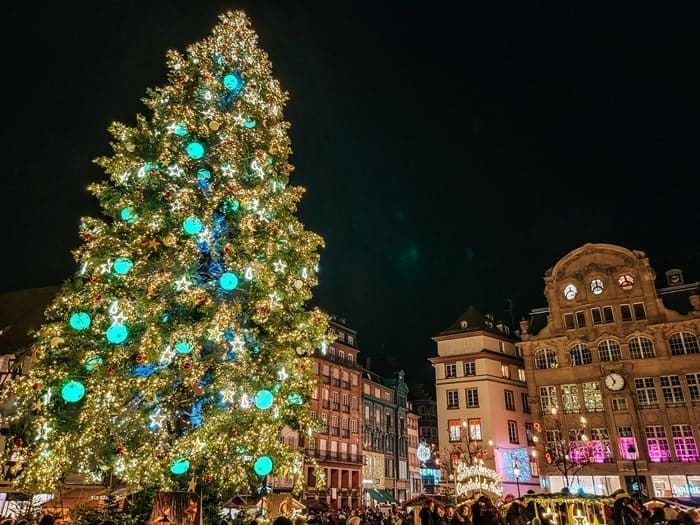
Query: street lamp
x,y
516,473
632,451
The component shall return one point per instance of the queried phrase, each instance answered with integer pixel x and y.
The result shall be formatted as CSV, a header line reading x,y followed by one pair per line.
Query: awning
x,y
376,495
381,496
388,498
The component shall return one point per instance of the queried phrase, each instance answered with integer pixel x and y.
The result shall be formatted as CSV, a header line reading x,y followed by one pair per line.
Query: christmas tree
x,y
180,348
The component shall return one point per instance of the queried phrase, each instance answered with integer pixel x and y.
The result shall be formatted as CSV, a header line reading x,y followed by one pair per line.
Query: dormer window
x,y
570,292
626,282
463,324
597,286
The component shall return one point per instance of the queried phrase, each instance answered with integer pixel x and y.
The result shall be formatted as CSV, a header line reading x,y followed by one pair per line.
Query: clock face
x,y
614,381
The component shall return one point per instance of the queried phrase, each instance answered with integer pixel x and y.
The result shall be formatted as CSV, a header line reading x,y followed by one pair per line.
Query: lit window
x,y
626,282
597,286
455,426
475,429
570,292
684,443
657,444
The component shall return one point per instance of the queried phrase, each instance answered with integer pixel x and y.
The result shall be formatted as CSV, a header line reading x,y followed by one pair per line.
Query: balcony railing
x,y
346,409
335,405
345,385
326,379
326,403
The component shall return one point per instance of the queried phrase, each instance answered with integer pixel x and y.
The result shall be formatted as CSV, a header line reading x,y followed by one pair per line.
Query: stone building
x,y
385,438
336,402
613,370
482,405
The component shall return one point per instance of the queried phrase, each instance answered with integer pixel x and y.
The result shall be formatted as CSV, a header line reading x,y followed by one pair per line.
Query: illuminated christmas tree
x,y
179,350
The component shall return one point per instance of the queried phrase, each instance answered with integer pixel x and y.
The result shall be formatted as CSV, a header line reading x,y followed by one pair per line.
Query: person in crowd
x,y
426,513
624,512
439,515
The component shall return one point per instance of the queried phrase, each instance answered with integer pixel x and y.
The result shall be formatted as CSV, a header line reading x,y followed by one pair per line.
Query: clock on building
x,y
614,381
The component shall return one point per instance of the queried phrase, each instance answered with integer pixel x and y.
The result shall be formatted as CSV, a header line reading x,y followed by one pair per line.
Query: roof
x,y
472,320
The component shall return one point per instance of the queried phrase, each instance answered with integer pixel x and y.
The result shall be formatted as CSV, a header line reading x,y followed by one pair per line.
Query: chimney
x,y
368,363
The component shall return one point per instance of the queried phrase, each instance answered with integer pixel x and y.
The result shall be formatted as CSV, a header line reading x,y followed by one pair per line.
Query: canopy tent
x,y
381,496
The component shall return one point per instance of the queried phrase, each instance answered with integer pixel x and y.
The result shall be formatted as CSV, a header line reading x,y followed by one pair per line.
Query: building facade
x,y
613,369
336,403
482,405
385,438
415,485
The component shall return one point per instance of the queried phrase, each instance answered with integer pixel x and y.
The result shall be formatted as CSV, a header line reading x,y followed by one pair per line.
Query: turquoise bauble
x,y
263,466
80,321
228,281
73,391
117,334
192,225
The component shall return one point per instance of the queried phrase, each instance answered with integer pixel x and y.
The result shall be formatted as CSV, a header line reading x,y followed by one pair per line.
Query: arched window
x,y
546,358
684,343
641,348
609,350
580,354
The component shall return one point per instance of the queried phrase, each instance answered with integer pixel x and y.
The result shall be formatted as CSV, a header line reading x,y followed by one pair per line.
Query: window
x,y
684,443
639,312
580,319
505,371
580,355
646,393
683,343
353,402
455,429
641,348
336,398
354,428
570,291
569,399
452,399
596,316
513,431
599,449
510,399
451,370
626,282
619,403
312,414
530,433
657,444
625,439
341,355
546,358
526,403
625,313
470,368
597,286
475,429
472,397
592,397
324,417
569,321
693,386
609,350
608,316
548,398
521,375
671,390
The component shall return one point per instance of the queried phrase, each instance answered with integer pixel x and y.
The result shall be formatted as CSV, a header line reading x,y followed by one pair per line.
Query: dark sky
x,y
450,155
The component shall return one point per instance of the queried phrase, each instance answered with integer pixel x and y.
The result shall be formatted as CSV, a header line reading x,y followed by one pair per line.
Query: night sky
x,y
450,156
